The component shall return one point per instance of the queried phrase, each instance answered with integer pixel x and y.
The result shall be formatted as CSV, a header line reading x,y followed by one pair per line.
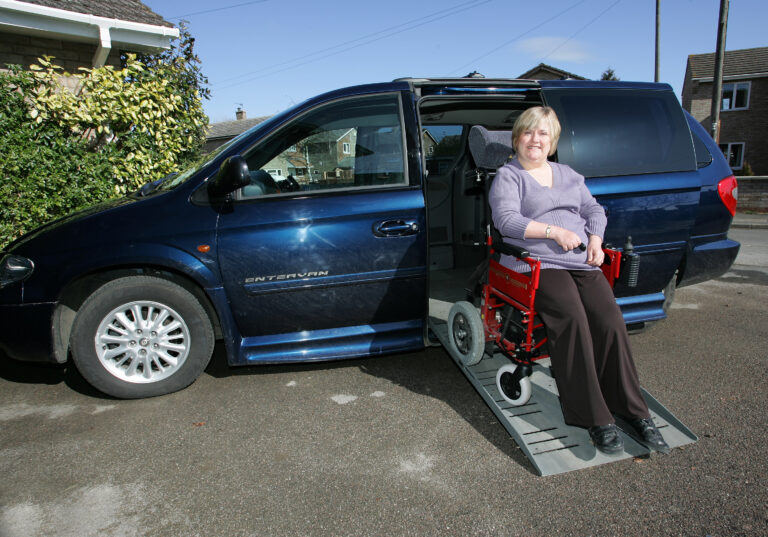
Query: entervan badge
x,y
291,276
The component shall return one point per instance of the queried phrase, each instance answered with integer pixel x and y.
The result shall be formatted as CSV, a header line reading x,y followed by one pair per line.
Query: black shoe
x,y
649,433
606,438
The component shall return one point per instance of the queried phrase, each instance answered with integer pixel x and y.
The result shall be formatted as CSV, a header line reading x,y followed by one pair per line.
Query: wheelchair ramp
x,y
538,427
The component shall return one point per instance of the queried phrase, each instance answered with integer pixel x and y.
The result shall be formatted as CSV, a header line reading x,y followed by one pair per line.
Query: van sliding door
x,y
634,147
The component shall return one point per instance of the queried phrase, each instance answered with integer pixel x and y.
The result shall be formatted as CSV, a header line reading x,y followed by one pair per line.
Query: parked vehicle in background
x,y
340,258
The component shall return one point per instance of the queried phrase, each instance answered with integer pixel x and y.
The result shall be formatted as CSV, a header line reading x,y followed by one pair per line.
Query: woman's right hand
x,y
566,239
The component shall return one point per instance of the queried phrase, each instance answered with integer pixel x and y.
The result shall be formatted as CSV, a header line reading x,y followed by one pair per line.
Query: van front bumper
x,y
25,331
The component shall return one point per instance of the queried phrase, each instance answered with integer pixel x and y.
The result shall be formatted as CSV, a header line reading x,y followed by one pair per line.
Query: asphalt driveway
x,y
398,445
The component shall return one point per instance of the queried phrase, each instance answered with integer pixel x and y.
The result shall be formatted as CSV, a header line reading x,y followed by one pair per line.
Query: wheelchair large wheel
x,y
466,334
515,390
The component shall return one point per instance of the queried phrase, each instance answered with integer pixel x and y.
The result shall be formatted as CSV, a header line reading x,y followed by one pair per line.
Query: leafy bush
x,y
61,150
44,171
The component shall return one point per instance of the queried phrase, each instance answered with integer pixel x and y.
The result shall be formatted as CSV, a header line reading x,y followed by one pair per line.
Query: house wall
x,y
24,50
749,126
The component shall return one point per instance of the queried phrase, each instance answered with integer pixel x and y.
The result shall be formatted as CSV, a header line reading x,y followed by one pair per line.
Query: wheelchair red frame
x,y
507,318
505,288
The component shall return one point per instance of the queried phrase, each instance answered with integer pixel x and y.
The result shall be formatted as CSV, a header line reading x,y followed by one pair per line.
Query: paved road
x,y
399,445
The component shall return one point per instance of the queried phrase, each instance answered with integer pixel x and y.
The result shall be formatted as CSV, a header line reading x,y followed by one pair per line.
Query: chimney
x,y
240,113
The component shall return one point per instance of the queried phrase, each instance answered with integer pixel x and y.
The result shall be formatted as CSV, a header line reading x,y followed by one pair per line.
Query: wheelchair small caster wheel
x,y
466,334
513,387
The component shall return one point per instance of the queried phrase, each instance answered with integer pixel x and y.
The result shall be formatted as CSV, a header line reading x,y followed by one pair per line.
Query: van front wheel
x,y
141,336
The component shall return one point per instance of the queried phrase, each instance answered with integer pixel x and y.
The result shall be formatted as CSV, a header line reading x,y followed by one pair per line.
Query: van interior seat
x,y
490,149
261,184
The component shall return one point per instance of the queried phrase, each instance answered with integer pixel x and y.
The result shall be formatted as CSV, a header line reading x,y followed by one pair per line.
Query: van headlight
x,y
14,268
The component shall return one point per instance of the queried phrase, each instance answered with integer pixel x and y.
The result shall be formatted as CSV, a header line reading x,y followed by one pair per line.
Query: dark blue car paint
x,y
283,261
709,251
330,243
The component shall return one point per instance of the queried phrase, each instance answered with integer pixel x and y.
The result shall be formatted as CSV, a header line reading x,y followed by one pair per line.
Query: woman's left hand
x,y
595,255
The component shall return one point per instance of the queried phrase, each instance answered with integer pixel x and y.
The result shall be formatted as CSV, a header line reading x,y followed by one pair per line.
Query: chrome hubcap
x,y
142,342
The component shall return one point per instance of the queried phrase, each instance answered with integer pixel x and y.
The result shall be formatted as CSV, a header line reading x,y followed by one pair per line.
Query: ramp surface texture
x,y
550,444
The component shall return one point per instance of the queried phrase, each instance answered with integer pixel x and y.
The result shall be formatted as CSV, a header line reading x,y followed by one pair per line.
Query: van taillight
x,y
729,193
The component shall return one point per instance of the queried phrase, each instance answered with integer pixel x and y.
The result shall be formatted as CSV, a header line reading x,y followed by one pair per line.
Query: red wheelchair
x,y
506,320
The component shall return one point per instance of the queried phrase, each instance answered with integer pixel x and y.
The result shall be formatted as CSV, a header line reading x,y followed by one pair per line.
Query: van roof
x,y
525,83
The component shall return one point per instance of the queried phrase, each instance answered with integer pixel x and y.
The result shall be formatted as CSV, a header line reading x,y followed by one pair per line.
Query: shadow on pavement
x,y
430,373
741,276
46,373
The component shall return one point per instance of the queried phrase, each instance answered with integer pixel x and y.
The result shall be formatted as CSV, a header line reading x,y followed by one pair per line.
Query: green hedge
x,y
44,171
61,150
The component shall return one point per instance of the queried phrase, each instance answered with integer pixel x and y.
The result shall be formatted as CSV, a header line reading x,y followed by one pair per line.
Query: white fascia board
x,y
21,17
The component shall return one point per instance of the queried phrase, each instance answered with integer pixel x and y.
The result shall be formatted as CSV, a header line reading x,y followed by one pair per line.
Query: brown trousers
x,y
589,348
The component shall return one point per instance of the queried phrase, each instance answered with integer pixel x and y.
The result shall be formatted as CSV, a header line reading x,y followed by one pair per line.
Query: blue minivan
x,y
332,229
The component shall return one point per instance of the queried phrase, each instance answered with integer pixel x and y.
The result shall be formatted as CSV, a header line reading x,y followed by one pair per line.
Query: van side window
x,y
609,133
354,143
703,156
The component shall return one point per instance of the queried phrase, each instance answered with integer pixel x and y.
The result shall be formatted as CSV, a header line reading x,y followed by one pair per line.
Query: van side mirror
x,y
232,174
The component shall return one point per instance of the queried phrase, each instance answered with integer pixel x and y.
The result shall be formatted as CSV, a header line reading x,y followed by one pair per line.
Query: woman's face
x,y
533,145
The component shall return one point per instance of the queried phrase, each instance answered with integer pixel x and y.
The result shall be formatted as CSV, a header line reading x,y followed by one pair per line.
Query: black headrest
x,y
490,149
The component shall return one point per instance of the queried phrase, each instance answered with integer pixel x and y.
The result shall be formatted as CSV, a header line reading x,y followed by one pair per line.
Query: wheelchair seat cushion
x,y
490,149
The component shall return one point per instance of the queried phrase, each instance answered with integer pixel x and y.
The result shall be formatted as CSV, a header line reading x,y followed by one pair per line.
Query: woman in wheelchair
x,y
545,208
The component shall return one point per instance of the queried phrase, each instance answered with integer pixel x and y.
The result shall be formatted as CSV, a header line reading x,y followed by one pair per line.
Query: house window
x,y
734,153
275,173
345,148
735,96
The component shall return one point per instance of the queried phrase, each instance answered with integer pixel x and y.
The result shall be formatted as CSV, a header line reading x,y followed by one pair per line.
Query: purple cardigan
x,y
516,198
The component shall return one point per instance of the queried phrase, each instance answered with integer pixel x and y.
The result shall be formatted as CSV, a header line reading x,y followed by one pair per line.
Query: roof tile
x,y
126,10
736,62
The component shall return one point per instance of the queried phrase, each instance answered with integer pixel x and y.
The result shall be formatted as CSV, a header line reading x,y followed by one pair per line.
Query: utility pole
x,y
658,24
717,86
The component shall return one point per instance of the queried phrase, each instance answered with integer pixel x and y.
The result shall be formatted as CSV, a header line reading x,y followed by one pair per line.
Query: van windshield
x,y
172,182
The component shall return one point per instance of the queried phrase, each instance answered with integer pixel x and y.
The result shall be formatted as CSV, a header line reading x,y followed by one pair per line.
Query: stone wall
x,y
753,193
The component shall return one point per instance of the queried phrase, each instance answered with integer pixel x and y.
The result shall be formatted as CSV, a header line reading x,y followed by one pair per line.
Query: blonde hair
x,y
531,118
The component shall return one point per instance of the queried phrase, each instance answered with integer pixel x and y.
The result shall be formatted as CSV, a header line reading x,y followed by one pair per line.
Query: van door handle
x,y
395,228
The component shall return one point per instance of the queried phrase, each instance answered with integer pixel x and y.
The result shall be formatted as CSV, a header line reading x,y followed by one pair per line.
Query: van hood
x,y
64,221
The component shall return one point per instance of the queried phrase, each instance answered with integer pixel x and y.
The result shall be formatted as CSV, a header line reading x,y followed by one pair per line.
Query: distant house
x,y
79,33
223,131
547,72
428,142
744,106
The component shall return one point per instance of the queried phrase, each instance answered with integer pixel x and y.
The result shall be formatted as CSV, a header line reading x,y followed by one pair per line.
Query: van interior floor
x,y
538,427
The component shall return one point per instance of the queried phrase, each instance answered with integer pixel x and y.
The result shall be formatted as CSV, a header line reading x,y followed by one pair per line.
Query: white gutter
x,y
32,19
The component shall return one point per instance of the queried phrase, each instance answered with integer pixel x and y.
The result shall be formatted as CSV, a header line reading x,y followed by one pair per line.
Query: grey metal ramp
x,y
538,427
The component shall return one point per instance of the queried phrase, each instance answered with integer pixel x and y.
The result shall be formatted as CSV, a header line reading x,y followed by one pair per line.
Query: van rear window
x,y
626,132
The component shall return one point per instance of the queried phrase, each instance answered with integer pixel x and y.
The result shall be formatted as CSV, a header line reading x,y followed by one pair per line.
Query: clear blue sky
x,y
267,55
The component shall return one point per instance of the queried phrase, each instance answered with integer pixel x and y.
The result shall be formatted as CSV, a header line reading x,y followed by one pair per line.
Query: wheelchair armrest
x,y
510,249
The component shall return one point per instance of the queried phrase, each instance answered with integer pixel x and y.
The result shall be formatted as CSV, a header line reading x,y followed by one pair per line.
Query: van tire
x,y
141,336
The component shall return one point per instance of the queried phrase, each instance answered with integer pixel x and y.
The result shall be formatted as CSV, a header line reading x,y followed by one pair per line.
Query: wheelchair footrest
x,y
550,444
